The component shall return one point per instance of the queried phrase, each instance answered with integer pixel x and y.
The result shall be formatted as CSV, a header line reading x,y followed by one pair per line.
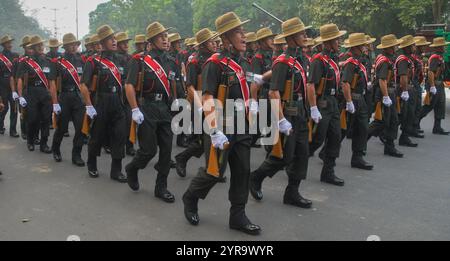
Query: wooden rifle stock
x,y
354,81
139,91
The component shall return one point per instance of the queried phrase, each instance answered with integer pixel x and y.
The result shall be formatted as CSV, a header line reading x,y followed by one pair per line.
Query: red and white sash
x,y
292,62
402,58
333,65
380,60
236,68
159,71
71,69
435,56
112,68
37,68
359,64
7,62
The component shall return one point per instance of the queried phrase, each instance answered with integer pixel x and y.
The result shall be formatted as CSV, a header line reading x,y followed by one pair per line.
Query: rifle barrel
x,y
267,12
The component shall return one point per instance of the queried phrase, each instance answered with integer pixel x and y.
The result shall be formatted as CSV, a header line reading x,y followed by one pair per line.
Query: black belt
x,y
109,90
357,96
330,92
155,97
69,89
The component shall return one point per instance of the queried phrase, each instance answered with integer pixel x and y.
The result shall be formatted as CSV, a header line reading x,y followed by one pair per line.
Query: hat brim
x,y
233,27
440,45
7,41
340,34
354,44
423,44
124,40
72,42
265,36
372,40
282,35
407,45
34,44
381,46
214,36
107,36
165,31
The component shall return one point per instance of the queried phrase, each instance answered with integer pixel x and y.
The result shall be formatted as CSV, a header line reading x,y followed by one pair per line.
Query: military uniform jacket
x,y
34,79
404,65
194,68
68,79
436,64
7,67
354,66
110,79
325,65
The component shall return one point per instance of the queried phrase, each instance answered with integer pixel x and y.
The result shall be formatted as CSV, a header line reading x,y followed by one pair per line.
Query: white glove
x,y
254,107
315,114
56,109
258,78
23,102
285,127
15,96
137,116
433,90
351,107
405,96
91,112
219,140
369,86
387,101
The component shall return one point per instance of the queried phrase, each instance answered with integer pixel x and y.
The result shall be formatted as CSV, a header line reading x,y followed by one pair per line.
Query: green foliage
x,y
15,23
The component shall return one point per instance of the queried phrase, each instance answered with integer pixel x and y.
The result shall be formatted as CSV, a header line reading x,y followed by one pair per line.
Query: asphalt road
x,y
402,199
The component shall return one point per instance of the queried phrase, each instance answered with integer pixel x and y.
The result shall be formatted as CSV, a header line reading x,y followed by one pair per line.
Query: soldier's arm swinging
x,y
275,95
131,96
210,114
383,87
86,95
53,92
19,86
347,91
404,82
12,84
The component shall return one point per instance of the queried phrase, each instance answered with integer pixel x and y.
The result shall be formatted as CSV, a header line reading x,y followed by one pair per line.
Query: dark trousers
x,y
329,128
153,134
295,153
407,113
358,127
388,126
418,105
72,108
110,119
437,104
39,113
195,146
8,101
238,158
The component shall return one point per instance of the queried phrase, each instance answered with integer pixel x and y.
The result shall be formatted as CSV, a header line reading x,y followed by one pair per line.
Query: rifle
x,y
23,111
55,118
266,12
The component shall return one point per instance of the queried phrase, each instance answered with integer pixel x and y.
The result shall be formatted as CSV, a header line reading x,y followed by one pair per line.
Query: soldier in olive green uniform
x,y
139,44
54,45
252,46
226,69
289,69
419,80
435,86
150,96
323,85
386,121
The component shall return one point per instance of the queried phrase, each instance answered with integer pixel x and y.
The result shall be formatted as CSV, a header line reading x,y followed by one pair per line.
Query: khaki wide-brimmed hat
x,y
122,37
6,39
316,43
203,36
139,39
228,22
54,43
407,40
310,42
264,33
70,39
104,32
421,41
388,41
370,40
438,42
87,40
175,37
154,29
25,41
355,39
291,27
35,40
95,39
279,40
251,37
330,32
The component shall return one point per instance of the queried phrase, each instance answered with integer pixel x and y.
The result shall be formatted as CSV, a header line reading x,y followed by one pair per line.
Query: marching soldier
x,y
288,85
54,45
89,47
106,112
151,89
355,78
367,59
36,75
7,90
224,78
323,84
207,47
404,71
280,46
97,45
139,44
27,52
386,121
69,105
435,99
252,46
124,58
419,79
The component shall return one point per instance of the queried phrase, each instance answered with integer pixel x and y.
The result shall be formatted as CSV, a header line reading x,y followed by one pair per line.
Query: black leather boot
x,y
116,171
240,222
256,180
92,167
132,177
358,162
328,175
293,197
190,202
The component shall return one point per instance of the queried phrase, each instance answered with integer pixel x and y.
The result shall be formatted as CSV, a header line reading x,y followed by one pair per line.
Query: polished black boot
x,y
390,150
116,171
256,180
30,147
190,202
132,177
162,193
328,175
92,167
44,148
438,130
240,222
405,141
57,155
181,163
358,162
293,197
